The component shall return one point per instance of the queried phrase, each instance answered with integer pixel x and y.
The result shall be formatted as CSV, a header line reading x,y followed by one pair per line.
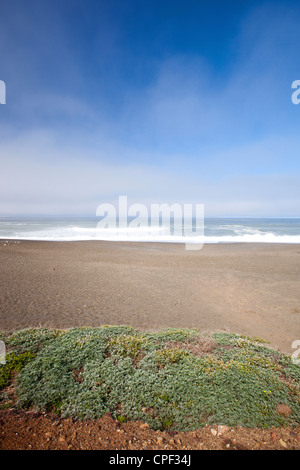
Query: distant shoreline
x,y
179,244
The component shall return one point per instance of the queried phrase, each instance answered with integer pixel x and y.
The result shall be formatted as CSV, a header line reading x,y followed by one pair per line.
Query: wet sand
x,y
251,289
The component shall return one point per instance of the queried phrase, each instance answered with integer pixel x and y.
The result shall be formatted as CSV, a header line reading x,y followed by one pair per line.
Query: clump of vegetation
x,y
173,379
127,345
13,363
171,355
32,339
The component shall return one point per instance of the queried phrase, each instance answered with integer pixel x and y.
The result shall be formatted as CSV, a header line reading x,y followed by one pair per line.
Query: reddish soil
x,y
38,431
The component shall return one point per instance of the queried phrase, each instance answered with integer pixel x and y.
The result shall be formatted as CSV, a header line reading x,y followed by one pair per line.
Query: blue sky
x,y
162,101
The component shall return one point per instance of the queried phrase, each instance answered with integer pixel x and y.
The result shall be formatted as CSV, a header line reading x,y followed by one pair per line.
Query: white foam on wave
x,y
145,234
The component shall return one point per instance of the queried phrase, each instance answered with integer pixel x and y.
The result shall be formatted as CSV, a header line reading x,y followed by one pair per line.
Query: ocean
x,y
214,230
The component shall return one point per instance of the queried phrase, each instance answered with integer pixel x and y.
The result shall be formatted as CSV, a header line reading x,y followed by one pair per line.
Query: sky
x,y
162,101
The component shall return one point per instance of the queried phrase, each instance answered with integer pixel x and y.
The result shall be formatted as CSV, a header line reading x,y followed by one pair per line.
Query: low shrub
x,y
160,378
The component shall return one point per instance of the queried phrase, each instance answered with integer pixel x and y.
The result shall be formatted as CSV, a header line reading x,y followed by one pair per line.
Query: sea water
x,y
215,230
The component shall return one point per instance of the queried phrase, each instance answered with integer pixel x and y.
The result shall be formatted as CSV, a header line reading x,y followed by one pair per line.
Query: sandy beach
x,y
251,289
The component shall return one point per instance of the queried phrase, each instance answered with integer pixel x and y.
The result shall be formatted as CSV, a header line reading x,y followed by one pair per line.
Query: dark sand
x,y
251,289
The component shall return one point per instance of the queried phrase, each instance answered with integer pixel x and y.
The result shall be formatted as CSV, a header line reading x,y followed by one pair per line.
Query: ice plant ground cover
x,y
175,379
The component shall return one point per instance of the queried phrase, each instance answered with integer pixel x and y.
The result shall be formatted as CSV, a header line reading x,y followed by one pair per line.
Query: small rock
x,y
144,426
282,443
274,436
214,432
160,440
177,439
222,430
283,410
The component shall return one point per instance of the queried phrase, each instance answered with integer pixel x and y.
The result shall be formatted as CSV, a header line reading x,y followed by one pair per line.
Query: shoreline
x,y
247,288
20,240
